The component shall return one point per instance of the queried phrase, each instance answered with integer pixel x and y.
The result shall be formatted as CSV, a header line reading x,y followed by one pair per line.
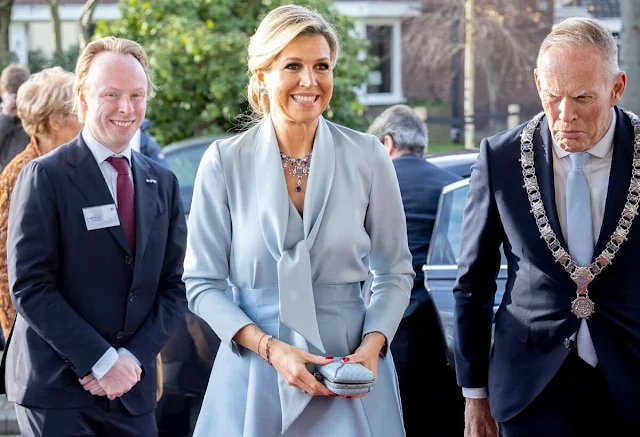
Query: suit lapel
x,y
87,177
323,164
145,184
619,179
273,198
271,189
544,170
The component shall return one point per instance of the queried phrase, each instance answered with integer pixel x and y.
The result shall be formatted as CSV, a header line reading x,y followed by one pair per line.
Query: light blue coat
x,y
297,278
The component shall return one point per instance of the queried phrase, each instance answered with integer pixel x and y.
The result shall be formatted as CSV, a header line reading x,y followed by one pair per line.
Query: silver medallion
x,y
582,307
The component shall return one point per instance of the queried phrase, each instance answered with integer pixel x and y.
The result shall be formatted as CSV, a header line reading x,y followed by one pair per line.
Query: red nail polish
x,y
348,397
334,396
345,359
328,358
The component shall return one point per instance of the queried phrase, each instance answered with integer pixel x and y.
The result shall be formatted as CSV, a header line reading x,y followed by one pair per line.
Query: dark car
x,y
441,266
188,356
183,158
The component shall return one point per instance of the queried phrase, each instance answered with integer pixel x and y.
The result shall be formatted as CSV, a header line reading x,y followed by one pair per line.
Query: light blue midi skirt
x,y
242,398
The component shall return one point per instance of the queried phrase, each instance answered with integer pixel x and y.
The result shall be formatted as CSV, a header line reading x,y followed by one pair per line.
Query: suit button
x,y
128,259
120,335
131,297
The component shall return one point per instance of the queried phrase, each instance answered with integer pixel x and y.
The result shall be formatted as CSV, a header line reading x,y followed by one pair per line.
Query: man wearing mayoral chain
x,y
560,194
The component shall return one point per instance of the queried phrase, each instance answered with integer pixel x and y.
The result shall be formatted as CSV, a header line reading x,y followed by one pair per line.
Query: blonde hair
x,y
45,94
583,32
12,77
281,26
107,44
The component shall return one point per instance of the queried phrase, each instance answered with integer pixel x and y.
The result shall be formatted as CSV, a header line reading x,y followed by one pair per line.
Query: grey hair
x,y
404,126
581,32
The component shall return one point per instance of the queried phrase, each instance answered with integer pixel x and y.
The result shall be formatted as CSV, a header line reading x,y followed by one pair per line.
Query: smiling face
x,y
299,83
577,95
114,98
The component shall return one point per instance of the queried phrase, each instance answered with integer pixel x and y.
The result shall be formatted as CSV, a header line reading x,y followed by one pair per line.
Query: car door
x,y
441,267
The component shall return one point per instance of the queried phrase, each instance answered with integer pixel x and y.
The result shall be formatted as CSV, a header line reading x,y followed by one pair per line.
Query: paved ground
x,y
8,423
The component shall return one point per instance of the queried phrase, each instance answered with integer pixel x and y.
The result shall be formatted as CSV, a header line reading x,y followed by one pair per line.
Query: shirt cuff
x,y
125,353
105,363
475,393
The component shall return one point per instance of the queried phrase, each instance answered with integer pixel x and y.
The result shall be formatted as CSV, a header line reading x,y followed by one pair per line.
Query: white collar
x,y
601,148
101,152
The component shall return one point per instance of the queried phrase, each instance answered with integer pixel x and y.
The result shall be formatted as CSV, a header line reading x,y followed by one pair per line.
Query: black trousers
x,y
432,403
576,403
104,419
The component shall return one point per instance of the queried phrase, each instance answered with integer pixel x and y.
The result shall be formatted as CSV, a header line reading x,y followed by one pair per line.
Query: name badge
x,y
100,217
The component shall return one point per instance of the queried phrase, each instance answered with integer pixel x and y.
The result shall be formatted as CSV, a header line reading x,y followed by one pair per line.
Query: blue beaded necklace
x,y
297,167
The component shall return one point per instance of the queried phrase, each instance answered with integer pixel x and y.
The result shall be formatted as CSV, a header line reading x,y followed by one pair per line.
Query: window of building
x,y
380,77
385,79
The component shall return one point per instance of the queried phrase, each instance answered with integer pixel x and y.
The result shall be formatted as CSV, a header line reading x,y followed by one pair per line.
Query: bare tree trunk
x,y
630,53
55,21
5,21
493,89
469,78
85,23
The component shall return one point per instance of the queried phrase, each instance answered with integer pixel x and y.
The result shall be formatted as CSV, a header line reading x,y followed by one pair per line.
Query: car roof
x,y
193,142
457,162
452,158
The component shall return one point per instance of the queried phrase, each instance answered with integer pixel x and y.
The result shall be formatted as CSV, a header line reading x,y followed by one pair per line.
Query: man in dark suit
x,y
422,381
560,194
96,245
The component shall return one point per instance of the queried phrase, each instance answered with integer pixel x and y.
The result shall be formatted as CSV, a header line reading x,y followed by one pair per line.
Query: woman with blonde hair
x,y
44,106
292,214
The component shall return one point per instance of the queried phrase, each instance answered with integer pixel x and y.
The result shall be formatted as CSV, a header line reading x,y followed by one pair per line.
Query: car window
x,y
447,232
184,163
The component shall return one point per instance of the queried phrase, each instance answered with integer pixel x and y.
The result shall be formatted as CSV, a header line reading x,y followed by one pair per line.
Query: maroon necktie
x,y
126,203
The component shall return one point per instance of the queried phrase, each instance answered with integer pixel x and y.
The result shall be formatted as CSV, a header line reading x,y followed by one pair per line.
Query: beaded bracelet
x,y
266,350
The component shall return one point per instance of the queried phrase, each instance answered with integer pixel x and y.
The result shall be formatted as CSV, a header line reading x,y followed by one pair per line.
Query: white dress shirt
x,y
135,140
110,175
597,170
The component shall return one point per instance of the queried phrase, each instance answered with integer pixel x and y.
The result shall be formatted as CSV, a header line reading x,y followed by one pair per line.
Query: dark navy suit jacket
x,y
78,292
535,316
420,186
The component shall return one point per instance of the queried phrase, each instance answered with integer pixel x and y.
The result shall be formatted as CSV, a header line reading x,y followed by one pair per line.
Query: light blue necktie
x,y
580,237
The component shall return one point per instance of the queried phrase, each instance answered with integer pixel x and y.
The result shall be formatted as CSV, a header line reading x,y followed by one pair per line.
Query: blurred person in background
x,y
13,138
43,105
405,137
146,144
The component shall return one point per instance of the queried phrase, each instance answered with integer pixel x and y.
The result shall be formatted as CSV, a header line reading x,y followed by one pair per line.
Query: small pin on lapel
x,y
151,181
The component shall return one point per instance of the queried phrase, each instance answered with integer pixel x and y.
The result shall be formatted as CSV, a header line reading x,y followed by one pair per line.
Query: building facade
x,y
378,20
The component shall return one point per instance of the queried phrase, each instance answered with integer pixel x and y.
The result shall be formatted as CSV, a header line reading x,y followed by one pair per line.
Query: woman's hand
x,y
290,363
368,353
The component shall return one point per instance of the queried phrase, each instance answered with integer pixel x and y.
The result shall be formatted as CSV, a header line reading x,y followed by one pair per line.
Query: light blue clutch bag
x,y
346,379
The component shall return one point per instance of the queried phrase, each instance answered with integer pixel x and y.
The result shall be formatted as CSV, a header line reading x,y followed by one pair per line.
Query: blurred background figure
x,y
146,144
43,106
423,382
13,138
187,359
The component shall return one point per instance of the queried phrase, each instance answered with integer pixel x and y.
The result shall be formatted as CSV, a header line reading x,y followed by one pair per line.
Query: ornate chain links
x,y
582,276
